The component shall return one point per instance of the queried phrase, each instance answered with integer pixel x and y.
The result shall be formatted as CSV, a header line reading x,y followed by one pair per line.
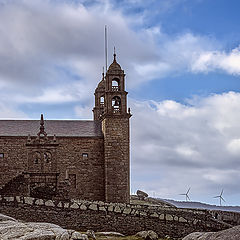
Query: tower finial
x,y
114,54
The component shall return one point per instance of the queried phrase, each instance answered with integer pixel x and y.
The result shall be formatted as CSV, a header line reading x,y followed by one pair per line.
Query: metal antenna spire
x,y
114,53
106,46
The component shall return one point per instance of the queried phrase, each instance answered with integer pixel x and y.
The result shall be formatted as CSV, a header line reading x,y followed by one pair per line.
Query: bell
x,y
116,104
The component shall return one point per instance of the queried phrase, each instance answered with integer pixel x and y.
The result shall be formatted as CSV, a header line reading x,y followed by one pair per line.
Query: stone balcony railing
x,y
115,88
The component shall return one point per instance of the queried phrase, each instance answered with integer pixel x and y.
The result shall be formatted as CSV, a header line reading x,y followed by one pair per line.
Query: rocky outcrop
x,y
10,228
229,234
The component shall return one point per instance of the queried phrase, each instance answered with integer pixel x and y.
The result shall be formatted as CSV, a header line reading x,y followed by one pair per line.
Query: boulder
x,y
6,218
141,195
91,234
12,229
148,235
228,234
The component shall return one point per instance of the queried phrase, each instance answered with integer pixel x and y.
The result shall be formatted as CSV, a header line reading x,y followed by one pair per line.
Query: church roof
x,y
115,66
63,128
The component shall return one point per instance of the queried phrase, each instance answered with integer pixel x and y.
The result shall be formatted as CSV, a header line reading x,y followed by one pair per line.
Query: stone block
x,y
169,217
101,208
183,220
49,203
117,209
93,207
83,207
39,202
162,217
74,206
28,200
9,199
127,210
154,214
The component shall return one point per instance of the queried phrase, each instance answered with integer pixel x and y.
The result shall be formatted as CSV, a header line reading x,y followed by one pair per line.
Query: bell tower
x,y
111,109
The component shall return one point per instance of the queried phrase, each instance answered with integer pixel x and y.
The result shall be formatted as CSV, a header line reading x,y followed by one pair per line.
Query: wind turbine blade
x,y
221,192
216,197
188,198
223,199
188,190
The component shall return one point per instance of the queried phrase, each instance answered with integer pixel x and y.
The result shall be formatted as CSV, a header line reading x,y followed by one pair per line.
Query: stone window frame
x,y
1,155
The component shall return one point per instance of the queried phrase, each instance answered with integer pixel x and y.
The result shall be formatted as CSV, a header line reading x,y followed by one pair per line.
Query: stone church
x,y
64,159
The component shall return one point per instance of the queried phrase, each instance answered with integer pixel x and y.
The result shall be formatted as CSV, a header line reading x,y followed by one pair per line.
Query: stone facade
x,y
71,159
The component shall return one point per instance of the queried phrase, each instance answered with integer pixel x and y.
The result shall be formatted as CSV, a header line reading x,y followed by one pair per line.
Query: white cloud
x,y
234,146
186,145
216,60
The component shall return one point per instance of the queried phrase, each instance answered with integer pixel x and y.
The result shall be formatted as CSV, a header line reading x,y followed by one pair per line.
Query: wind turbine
x,y
186,194
220,198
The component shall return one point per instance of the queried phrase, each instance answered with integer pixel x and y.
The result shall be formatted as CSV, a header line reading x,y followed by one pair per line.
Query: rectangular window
x,y
85,155
1,155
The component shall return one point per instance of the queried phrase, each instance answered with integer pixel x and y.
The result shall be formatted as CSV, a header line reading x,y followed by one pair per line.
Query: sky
x,y
182,65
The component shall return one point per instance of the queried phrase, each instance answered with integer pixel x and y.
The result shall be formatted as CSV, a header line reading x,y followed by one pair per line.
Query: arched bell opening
x,y
115,84
116,104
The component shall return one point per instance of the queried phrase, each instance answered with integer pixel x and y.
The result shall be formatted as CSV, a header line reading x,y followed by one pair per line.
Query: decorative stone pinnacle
x,y
42,129
41,124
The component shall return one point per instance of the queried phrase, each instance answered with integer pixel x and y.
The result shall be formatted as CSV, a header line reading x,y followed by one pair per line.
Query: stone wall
x,y
232,218
89,172
100,216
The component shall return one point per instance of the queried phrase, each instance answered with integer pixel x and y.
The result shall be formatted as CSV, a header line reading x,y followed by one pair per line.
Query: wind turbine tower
x,y
220,198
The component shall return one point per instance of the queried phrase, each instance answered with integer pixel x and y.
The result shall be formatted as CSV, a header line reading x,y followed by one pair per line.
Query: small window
x,y
102,100
1,155
85,155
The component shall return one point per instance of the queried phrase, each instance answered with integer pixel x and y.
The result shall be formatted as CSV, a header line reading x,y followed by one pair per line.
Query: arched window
x,y
116,103
102,100
115,84
47,157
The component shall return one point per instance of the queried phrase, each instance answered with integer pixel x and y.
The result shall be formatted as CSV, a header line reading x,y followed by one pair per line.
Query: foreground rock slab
x,y
228,234
11,229
109,234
